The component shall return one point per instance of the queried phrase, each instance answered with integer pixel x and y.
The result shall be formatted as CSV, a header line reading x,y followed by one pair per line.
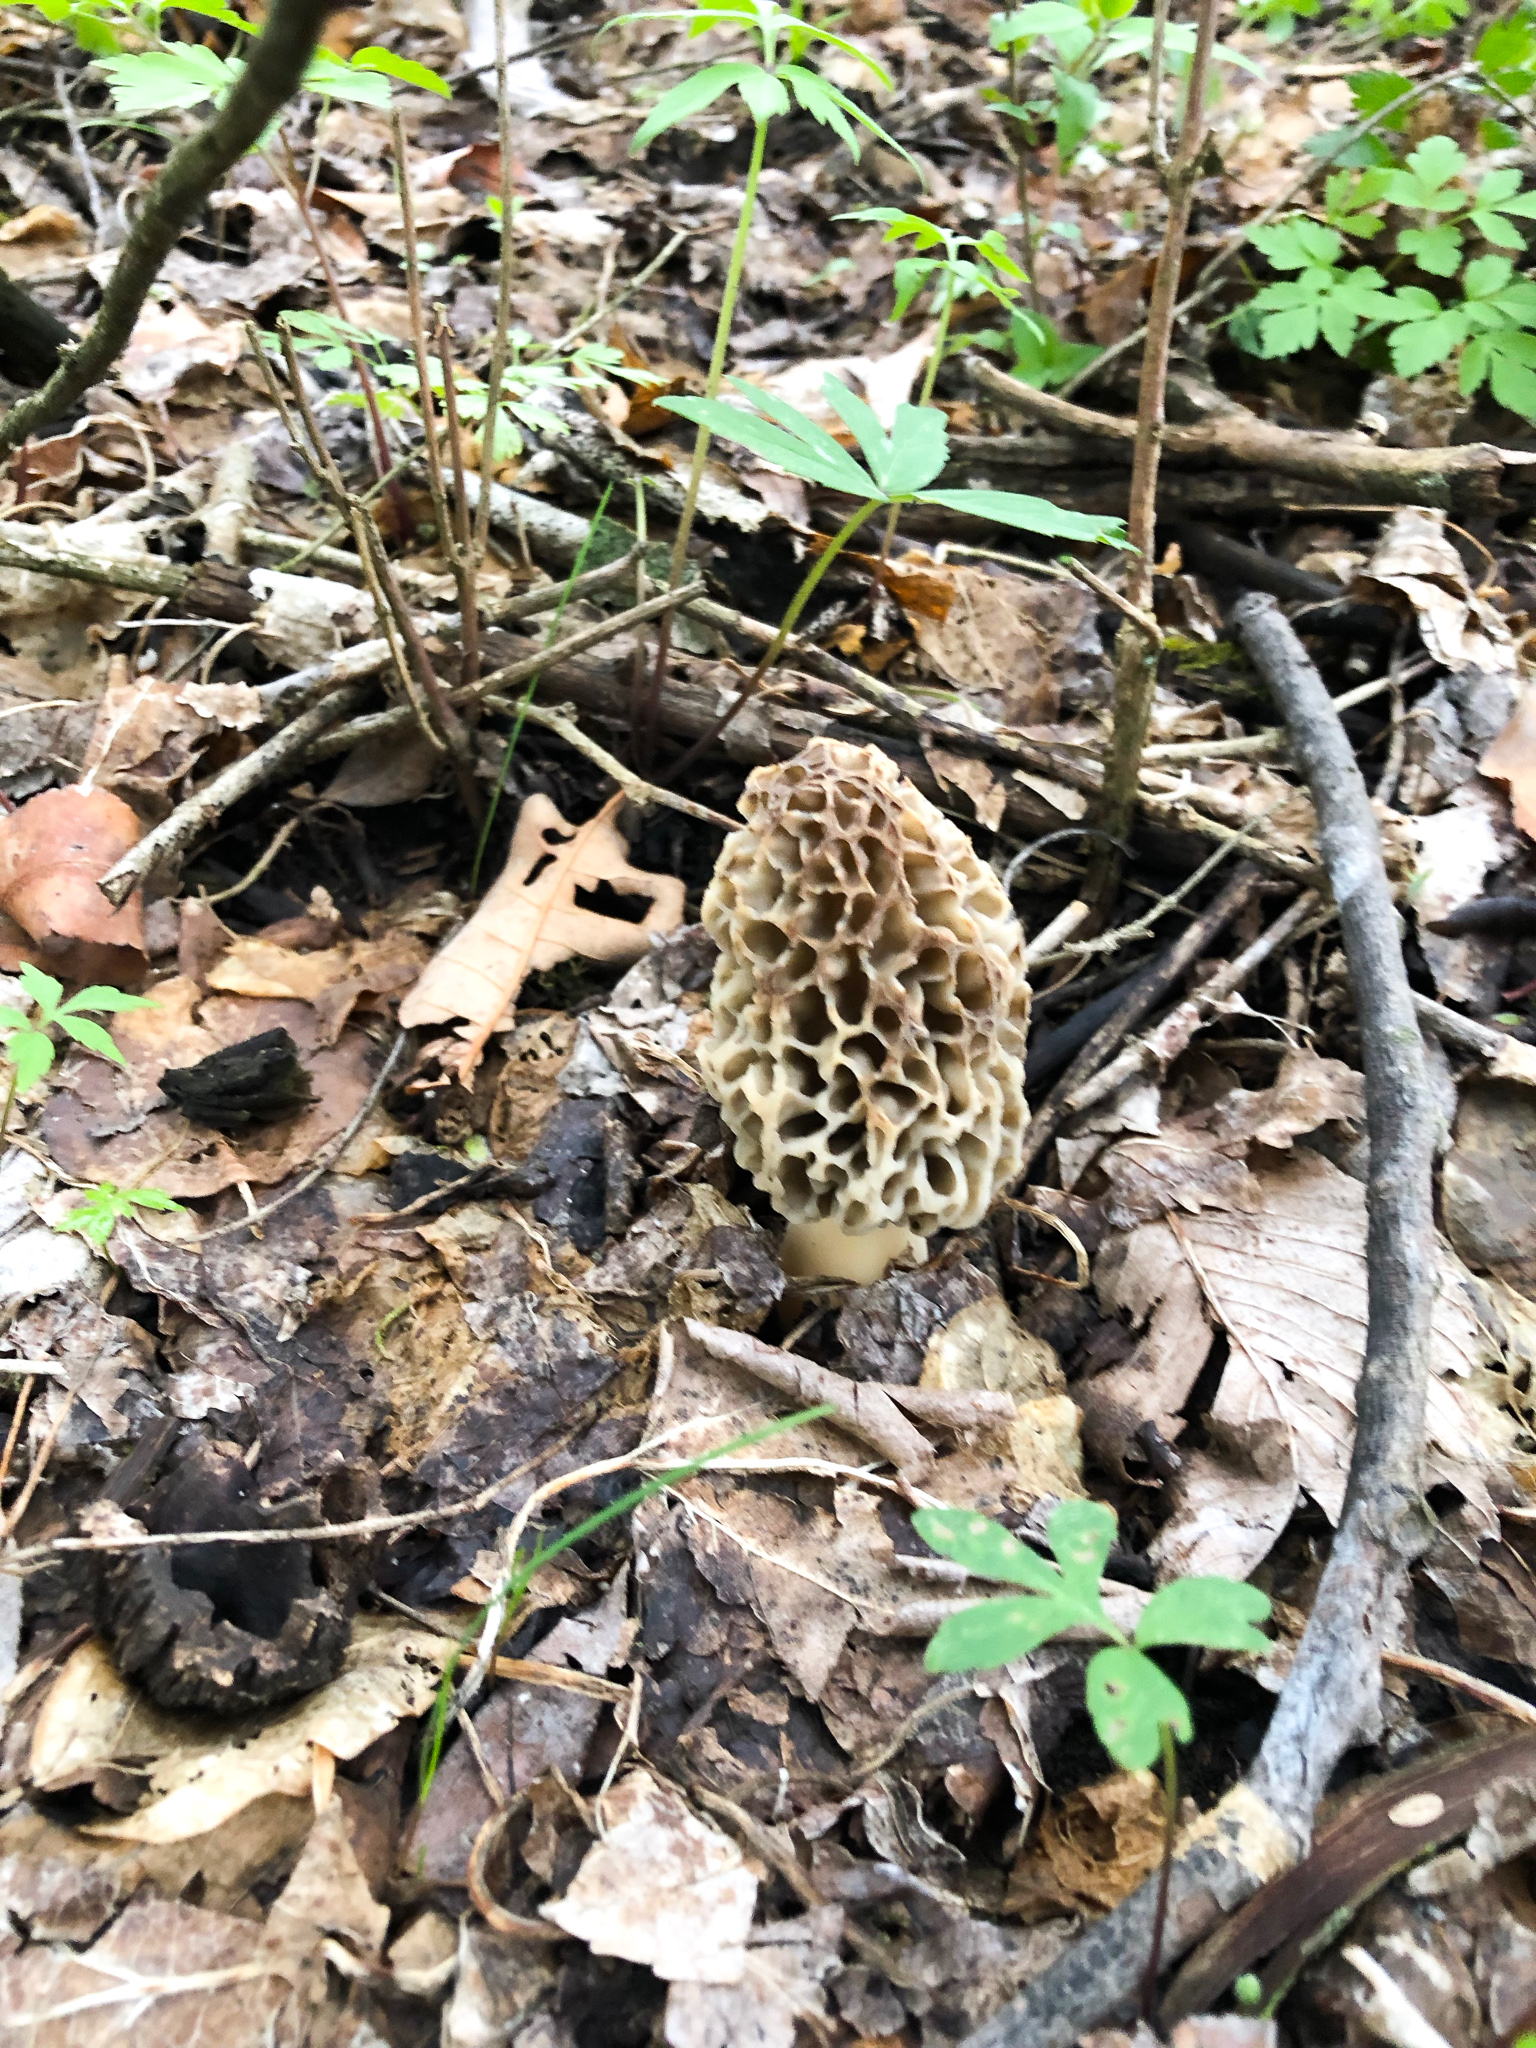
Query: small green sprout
x,y
106,1205
29,1048
1134,1705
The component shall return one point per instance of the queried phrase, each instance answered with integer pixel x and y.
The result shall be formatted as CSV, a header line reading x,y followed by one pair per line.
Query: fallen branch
x,y
1508,1059
1142,995
1469,477
170,839
1331,1697
1160,1048
273,71
863,1408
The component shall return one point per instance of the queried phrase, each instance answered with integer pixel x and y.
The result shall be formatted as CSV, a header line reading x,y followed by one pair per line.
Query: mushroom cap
x,y
870,1000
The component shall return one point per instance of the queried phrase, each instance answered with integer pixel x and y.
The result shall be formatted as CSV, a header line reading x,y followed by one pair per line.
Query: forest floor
x,y
458,1252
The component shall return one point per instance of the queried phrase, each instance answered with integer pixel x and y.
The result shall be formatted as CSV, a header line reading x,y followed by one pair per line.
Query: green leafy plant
x,y
514,1587
898,469
949,265
106,1205
1491,319
1040,356
533,371
1131,1700
1082,37
172,74
29,1048
776,73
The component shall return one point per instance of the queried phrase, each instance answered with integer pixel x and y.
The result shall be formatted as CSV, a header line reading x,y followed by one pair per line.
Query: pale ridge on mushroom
x,y
870,1001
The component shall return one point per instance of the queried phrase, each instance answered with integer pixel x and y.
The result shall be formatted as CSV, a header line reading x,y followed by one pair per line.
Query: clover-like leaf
x,y
1131,1702
100,997
1215,1613
992,1632
31,1055
986,1548
1082,1534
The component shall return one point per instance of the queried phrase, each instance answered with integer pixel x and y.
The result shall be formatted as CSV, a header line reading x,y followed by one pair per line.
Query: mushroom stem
x,y
825,1251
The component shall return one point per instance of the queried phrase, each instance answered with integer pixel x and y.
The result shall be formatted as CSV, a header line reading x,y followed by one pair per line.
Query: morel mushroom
x,y
870,1008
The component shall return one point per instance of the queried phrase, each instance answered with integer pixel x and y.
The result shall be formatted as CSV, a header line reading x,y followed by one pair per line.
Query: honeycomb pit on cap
x,y
870,1003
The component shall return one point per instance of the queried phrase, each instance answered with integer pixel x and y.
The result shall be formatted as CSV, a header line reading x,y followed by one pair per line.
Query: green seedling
x,y
1130,1699
898,469
29,1048
513,1588
1082,39
1040,356
767,82
106,1205
950,266
1489,324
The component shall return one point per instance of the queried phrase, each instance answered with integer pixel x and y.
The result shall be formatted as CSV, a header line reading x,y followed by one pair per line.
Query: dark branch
x,y
271,77
1332,1695
32,340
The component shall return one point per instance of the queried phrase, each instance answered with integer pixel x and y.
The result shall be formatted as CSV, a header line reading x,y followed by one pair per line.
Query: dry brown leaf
x,y
1512,760
330,981
53,852
661,1887
1092,1850
168,343
1460,628
531,920
164,1973
200,1771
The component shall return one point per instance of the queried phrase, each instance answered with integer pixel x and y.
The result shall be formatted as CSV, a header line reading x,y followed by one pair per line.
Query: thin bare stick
x,y
501,336
1136,650
559,718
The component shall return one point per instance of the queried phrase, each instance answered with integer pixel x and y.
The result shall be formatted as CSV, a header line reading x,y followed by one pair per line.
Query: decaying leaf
x,y
1415,559
533,918
164,1971
199,1771
661,1887
1092,1849
53,852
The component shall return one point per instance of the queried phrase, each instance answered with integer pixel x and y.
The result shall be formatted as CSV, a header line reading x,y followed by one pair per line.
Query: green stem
x,y
1165,1874
1021,183
716,370
10,1097
780,640
924,397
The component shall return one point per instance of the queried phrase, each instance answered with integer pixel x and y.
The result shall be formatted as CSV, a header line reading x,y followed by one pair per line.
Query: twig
x,y
1406,476
558,718
1138,643
1509,1059
101,220
272,74
1157,1051
863,1408
1331,1696
502,332
170,839
1140,997
515,672
254,873
13,1434
23,1500
1493,1696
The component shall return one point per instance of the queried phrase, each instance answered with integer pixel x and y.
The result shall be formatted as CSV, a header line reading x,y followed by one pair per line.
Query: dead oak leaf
x,y
532,919
661,1887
